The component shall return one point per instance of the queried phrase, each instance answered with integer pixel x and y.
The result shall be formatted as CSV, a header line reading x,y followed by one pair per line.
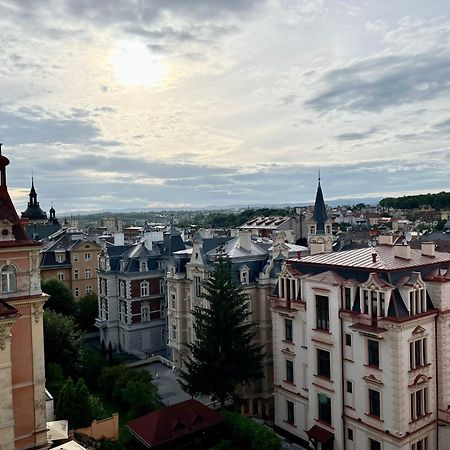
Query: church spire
x,y
320,210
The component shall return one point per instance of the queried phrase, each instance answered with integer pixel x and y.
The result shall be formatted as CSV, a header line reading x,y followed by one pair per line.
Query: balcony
x,y
100,323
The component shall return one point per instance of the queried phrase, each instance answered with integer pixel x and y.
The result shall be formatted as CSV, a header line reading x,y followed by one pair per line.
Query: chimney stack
x,y
148,241
428,249
386,239
119,238
245,239
402,251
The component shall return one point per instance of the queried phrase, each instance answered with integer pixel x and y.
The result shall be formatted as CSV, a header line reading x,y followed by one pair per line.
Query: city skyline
x,y
116,105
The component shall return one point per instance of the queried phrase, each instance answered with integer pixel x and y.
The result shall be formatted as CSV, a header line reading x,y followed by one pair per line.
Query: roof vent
x,y
428,249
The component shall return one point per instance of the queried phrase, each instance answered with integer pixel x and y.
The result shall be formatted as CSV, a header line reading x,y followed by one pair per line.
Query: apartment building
x,y
73,260
132,302
361,341
254,265
22,377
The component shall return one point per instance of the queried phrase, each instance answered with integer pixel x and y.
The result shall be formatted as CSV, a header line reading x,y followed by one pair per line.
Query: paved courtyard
x,y
169,388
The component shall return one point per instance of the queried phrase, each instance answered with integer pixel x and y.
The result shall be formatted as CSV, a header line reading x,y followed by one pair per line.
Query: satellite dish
x,y
408,236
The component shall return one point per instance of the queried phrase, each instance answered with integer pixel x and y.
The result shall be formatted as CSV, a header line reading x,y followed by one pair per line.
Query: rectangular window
x,y
374,445
323,363
75,258
145,314
419,403
418,353
373,352
88,289
374,403
87,256
322,313
61,258
350,434
87,273
349,387
324,408
77,292
289,371
365,301
422,444
290,412
288,330
60,276
348,340
347,299
197,286
174,332
75,274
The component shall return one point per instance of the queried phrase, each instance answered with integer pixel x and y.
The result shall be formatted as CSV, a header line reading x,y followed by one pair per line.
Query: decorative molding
x,y
38,311
419,330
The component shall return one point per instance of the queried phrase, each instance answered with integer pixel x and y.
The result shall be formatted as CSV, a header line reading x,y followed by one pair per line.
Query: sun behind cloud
x,y
134,65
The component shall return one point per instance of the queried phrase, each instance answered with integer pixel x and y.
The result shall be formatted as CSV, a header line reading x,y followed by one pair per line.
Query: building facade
x,y
254,266
361,342
132,302
73,260
22,374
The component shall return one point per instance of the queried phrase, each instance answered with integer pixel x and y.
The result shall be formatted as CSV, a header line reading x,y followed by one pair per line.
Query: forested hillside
x,y
437,201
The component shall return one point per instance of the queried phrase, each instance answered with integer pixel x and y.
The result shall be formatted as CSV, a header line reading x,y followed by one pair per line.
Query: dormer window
x,y
6,230
245,275
374,302
9,279
312,229
122,265
60,257
143,266
417,301
289,288
144,288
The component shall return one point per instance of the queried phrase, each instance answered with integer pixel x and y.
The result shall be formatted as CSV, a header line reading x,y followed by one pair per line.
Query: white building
x,y
361,348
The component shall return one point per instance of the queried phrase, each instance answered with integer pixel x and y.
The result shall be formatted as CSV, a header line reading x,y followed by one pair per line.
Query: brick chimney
x,y
428,249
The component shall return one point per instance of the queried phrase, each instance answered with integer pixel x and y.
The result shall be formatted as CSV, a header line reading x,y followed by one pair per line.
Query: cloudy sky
x,y
127,104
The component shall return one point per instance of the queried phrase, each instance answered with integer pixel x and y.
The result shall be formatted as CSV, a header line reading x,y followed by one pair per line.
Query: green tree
x,y
61,299
87,311
130,389
77,405
223,354
62,342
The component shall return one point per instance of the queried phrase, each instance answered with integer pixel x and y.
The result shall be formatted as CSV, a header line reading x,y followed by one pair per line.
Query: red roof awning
x,y
320,434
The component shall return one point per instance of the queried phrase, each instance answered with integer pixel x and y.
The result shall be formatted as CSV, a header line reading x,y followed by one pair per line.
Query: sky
x,y
133,104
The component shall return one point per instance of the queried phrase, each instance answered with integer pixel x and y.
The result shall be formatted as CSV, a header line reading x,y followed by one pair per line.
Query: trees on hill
x,y
223,354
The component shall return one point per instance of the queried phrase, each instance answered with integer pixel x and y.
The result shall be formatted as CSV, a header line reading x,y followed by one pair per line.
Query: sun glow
x,y
134,65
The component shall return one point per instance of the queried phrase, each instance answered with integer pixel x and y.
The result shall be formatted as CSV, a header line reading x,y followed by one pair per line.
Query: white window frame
x,y
87,256
9,279
88,273
144,288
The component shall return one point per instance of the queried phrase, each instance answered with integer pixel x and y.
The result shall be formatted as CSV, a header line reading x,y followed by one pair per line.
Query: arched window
x,y
144,289
9,281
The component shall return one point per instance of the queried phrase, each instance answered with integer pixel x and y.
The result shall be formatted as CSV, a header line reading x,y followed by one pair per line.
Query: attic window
x,y
417,302
245,275
143,266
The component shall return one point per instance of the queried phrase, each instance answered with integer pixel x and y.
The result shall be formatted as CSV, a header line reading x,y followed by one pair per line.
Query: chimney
x,y
402,251
245,239
316,248
428,249
148,241
386,239
119,239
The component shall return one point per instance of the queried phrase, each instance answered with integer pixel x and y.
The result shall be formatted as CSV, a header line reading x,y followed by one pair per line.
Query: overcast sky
x,y
116,104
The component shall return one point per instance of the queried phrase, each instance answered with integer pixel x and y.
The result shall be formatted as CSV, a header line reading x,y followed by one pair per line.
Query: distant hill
x,y
437,201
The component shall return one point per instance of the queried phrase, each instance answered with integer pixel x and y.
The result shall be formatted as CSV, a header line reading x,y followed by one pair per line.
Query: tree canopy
x,y
437,201
61,299
87,311
62,342
223,354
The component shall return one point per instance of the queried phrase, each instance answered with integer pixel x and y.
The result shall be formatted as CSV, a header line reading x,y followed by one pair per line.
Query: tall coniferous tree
x,y
223,354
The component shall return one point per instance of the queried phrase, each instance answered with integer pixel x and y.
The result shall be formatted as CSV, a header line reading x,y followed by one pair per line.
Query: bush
x,y
248,434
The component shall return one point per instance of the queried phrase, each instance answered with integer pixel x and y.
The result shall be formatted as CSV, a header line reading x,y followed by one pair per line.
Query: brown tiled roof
x,y
385,259
7,311
173,422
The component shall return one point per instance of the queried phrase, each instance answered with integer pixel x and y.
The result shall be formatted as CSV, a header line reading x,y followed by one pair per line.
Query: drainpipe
x,y
342,368
437,381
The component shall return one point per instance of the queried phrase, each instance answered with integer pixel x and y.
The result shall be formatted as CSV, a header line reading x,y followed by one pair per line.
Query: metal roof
x,y
385,259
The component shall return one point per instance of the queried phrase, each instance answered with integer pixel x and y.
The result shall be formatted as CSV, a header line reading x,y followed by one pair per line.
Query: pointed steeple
x,y
12,229
33,195
320,210
33,211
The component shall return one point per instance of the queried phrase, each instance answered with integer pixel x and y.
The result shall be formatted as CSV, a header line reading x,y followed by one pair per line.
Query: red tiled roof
x,y
173,421
385,259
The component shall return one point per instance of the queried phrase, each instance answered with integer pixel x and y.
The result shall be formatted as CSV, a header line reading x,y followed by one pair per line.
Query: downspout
x,y
437,381
342,368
